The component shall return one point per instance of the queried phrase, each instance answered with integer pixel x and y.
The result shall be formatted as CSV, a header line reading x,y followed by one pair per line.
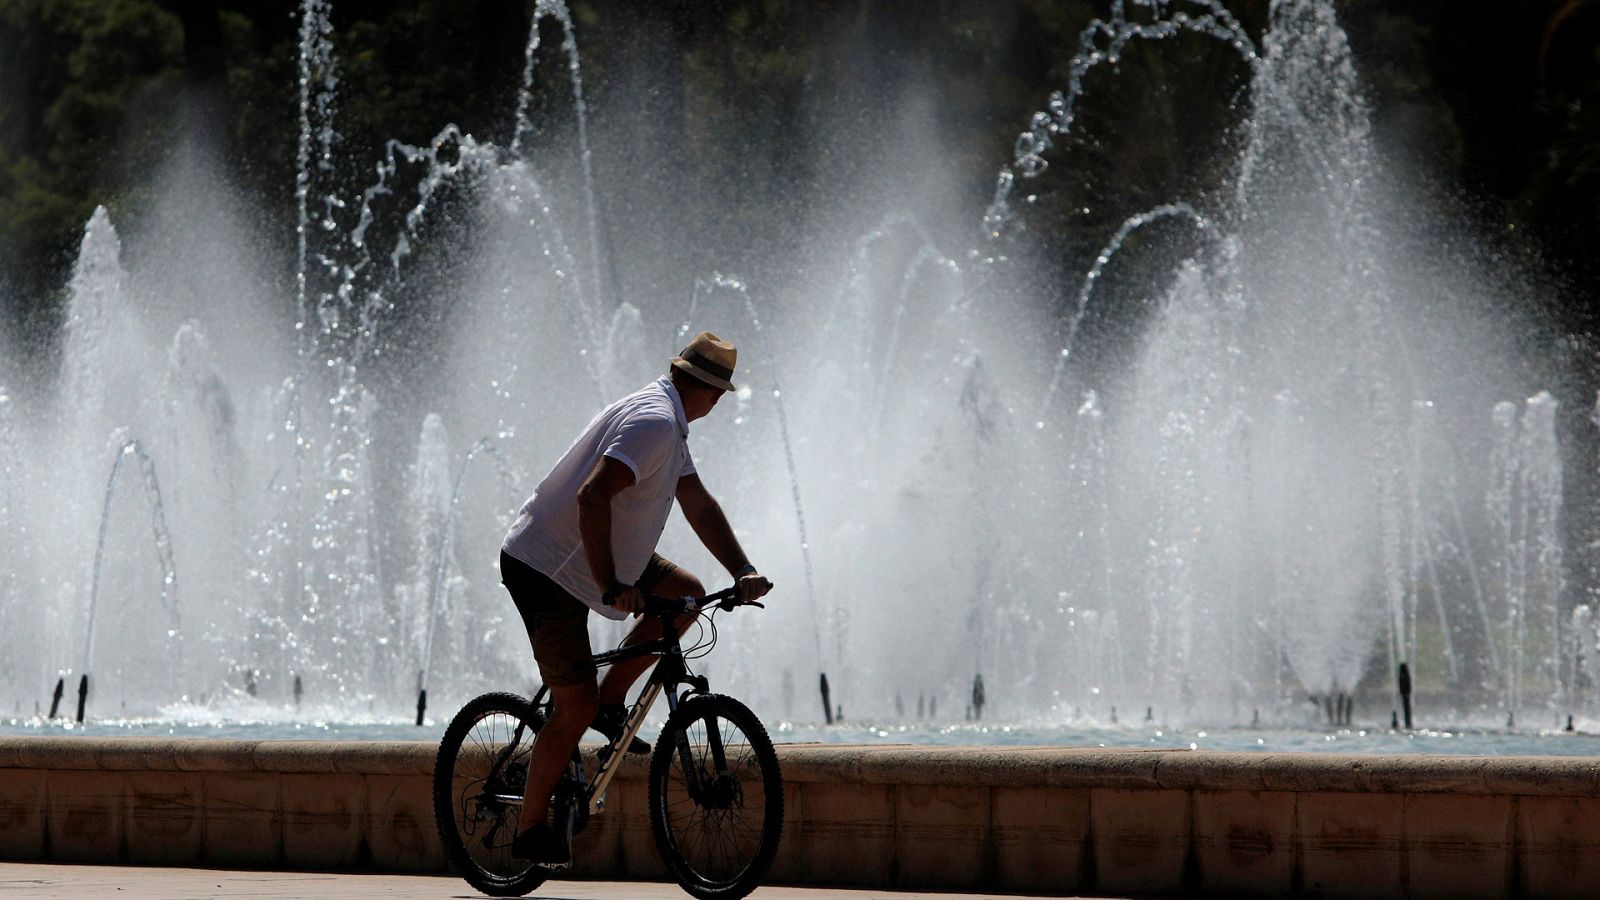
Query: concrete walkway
x,y
39,880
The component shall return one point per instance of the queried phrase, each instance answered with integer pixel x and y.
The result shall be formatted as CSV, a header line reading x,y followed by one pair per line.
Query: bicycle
x,y
715,791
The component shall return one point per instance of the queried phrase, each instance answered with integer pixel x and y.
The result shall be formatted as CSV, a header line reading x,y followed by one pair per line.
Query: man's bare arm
x,y
711,526
607,479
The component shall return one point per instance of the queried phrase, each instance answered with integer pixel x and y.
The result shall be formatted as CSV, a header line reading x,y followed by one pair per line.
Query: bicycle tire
x,y
713,844
476,827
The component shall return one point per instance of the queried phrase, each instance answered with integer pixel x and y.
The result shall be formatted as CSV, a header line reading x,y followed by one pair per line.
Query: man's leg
x,y
574,709
671,581
558,629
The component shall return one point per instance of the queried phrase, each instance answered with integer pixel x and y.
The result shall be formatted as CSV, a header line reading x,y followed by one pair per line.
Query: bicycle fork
x,y
699,791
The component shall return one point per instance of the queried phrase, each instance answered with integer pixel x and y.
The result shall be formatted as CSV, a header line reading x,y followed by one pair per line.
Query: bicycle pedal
x,y
610,722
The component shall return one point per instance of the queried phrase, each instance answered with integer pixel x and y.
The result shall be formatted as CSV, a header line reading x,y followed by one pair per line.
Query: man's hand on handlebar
x,y
626,597
753,586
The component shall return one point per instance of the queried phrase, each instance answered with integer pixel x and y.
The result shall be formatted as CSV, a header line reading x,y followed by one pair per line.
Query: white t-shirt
x,y
648,432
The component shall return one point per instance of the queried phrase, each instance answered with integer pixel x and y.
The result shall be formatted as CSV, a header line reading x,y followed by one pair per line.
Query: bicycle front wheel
x,y
716,798
478,781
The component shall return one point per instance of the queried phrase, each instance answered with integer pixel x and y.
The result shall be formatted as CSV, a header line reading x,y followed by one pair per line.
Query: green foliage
x,y
94,122
757,103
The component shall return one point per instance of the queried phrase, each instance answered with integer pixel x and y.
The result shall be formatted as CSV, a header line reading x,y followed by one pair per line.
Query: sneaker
x,y
542,844
610,720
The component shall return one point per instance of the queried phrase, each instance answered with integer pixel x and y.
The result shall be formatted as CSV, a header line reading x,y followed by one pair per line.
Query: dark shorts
x,y
557,622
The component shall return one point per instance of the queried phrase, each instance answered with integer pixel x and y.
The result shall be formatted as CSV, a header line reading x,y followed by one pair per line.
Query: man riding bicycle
x,y
586,540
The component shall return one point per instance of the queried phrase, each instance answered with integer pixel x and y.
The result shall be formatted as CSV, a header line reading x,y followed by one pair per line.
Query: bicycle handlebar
x,y
725,599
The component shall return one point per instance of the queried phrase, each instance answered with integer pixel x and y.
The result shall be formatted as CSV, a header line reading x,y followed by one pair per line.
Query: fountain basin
x,y
975,818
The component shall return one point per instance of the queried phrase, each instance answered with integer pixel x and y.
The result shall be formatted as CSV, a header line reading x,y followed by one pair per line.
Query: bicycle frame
x,y
669,672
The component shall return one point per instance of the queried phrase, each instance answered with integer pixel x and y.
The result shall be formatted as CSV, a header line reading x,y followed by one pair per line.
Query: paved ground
x,y
37,880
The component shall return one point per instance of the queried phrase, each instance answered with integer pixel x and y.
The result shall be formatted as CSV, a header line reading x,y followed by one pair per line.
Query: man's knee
x,y
682,583
686,585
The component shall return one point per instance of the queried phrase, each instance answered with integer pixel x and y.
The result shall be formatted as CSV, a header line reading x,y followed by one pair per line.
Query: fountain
x,y
169,574
1294,484
441,553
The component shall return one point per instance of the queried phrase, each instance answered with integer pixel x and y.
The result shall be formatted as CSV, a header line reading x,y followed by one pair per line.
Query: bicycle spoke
x,y
718,828
487,817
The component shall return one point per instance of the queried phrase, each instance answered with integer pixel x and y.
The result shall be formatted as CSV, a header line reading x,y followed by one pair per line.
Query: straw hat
x,y
710,359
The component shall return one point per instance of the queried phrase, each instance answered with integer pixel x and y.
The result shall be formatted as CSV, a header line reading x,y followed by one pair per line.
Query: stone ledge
x,y
898,764
1191,769
1043,820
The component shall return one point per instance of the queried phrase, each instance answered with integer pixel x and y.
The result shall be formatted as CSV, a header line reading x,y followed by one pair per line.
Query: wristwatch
x,y
613,592
748,569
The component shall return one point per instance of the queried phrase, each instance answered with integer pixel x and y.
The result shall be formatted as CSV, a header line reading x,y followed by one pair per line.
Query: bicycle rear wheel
x,y
478,781
716,798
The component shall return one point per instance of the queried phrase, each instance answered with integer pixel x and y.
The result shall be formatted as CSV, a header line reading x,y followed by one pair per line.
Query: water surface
x,y
1462,741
